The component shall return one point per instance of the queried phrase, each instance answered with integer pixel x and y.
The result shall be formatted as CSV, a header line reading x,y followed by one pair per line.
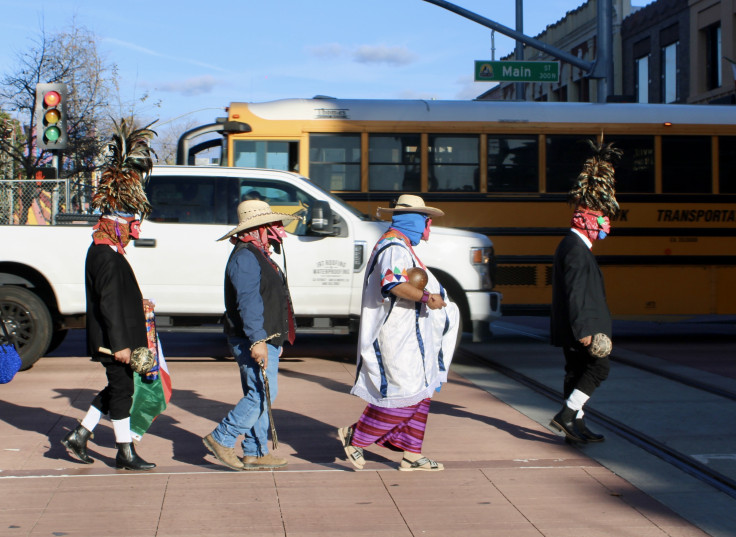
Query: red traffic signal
x,y
50,114
51,98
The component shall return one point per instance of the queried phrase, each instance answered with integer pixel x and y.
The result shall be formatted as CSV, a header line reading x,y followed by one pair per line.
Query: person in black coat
x,y
116,323
580,313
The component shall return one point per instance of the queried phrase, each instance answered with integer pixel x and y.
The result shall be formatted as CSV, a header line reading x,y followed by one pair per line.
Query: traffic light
x,y
50,113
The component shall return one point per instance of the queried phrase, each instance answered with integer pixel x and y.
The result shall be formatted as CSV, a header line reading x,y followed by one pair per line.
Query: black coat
x,y
115,318
579,307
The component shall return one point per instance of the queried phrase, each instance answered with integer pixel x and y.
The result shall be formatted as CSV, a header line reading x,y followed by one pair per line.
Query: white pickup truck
x,y
180,265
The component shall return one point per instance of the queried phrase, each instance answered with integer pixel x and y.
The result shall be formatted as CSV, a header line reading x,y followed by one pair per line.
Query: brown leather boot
x,y
265,462
223,454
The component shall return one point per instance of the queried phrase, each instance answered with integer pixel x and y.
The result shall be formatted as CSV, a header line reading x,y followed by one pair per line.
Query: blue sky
x,y
194,58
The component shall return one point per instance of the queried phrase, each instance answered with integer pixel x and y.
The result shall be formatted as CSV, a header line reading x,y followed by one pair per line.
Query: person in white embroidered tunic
x,y
407,339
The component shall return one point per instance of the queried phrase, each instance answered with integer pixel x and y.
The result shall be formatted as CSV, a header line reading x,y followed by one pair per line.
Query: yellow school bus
x,y
504,169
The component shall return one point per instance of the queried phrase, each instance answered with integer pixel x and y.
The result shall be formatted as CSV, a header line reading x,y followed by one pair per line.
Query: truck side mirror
x,y
320,218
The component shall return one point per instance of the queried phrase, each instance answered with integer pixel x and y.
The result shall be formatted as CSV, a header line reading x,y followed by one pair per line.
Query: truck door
x,y
319,269
177,260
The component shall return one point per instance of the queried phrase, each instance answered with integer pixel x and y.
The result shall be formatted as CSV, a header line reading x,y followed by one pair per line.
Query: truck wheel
x,y
28,319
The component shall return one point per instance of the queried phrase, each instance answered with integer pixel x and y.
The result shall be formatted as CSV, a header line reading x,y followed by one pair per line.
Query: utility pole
x,y
603,69
520,93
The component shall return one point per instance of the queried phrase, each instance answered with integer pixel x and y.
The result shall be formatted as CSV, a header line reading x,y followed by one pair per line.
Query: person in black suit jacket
x,y
116,323
579,307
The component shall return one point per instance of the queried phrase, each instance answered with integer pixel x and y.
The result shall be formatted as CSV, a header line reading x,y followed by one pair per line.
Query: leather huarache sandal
x,y
354,453
421,464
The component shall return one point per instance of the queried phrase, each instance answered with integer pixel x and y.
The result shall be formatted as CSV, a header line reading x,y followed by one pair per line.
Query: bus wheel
x,y
27,319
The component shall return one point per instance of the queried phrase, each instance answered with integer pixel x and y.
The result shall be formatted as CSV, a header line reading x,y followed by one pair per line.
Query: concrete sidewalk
x,y
504,474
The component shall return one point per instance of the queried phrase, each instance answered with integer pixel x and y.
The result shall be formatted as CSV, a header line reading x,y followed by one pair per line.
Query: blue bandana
x,y
410,224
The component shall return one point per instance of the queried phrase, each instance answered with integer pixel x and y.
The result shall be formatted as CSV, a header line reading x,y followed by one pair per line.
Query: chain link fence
x,y
39,202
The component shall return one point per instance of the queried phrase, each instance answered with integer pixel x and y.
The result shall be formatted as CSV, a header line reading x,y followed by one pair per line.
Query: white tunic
x,y
405,348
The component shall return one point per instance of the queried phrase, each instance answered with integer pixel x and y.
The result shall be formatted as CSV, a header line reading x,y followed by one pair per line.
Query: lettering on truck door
x,y
319,268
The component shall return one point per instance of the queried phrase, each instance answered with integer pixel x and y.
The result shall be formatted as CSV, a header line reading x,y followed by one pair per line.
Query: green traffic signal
x,y
52,134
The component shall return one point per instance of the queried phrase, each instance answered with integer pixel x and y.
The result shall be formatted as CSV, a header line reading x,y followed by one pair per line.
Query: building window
x,y
642,79
713,56
669,73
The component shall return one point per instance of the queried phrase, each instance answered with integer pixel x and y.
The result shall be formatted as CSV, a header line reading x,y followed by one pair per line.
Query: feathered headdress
x,y
595,187
126,170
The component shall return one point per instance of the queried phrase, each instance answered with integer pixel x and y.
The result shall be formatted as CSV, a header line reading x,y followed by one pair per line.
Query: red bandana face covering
x,y
595,226
116,231
262,236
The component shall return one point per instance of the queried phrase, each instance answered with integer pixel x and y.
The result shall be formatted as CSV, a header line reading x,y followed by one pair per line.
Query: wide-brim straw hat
x,y
408,203
254,213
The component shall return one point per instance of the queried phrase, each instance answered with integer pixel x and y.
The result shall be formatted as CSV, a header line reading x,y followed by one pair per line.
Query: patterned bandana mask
x,y
595,226
263,236
116,231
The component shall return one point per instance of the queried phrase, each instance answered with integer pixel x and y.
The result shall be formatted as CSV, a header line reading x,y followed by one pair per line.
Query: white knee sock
x,y
576,400
122,431
92,418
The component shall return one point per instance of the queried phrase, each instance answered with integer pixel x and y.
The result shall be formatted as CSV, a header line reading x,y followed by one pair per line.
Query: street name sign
x,y
516,71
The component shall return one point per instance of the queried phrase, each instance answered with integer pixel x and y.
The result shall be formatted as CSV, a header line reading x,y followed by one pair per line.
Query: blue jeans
x,y
250,416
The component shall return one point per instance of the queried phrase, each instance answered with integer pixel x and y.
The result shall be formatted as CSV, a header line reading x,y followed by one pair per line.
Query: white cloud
x,y
391,55
198,85
327,50
383,54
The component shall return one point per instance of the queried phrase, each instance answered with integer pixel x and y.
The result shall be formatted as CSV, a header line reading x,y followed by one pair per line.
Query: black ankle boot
x,y
564,421
586,433
76,443
128,459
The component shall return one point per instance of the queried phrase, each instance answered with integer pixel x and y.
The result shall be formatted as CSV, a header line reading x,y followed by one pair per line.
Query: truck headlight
x,y
481,259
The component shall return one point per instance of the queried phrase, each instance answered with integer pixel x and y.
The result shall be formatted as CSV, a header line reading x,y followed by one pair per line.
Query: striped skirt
x,y
398,428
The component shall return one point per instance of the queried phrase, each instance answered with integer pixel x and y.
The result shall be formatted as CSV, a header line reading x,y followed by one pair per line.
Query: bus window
x,y
271,154
334,161
453,163
565,155
393,162
686,164
635,170
727,167
513,163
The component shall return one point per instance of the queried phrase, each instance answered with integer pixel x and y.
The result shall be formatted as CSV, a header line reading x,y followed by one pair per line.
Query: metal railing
x,y
39,202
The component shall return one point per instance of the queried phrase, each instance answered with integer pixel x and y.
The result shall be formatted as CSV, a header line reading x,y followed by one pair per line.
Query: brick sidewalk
x,y
505,474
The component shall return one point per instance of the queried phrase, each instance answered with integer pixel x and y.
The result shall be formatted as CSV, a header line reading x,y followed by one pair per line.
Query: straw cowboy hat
x,y
408,203
254,213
